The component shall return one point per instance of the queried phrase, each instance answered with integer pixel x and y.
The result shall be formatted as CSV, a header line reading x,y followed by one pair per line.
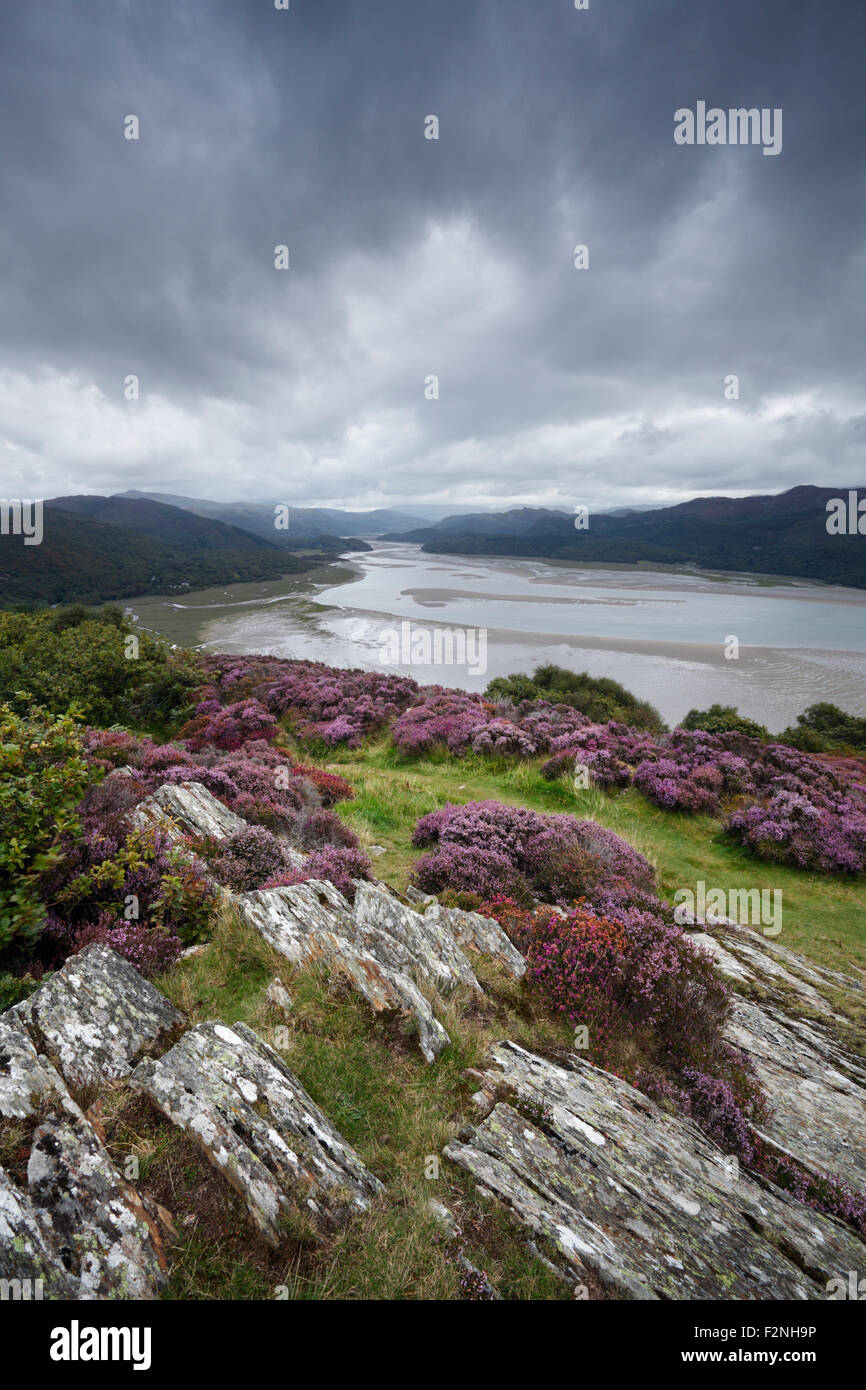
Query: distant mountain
x,y
169,524
515,522
96,549
783,534
304,522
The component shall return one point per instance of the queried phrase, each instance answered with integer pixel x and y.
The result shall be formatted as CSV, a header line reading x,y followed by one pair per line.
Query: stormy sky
x,y
412,257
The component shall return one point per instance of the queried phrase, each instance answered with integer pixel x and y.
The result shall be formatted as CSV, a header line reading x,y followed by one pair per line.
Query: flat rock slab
x,y
96,1017
816,1089
233,1095
784,1017
786,978
640,1199
192,807
312,923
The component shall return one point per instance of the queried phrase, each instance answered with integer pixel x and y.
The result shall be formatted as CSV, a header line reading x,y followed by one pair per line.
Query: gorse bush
x,y
824,727
723,719
43,775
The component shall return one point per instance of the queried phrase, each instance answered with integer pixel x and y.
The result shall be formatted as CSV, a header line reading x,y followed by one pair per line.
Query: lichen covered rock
x,y
312,923
234,1097
474,932
96,1017
637,1199
190,806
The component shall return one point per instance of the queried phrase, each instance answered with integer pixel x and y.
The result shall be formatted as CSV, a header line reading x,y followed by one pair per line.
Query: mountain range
x,y
96,549
783,534
258,518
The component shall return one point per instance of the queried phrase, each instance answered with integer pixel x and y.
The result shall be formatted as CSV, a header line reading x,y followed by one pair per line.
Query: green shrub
x,y
598,697
14,988
43,776
824,727
84,656
723,719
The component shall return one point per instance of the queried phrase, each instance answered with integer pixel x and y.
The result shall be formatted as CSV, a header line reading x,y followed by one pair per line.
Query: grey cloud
x,y
412,257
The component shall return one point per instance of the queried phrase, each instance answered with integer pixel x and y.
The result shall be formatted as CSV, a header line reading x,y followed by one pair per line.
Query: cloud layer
x,y
411,257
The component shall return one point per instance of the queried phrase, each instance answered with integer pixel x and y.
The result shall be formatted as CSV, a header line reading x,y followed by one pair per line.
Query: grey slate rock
x,y
234,1096
96,1017
640,1199
94,1218
312,923
191,807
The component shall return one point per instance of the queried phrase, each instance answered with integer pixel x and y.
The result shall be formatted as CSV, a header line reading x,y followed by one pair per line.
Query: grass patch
x,y
823,915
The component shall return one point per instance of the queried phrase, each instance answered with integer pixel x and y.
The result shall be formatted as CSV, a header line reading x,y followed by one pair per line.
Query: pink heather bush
x,y
331,705
321,828
330,787
802,813
471,870
442,719
460,722
150,950
228,726
628,976
248,859
829,836
338,866
554,857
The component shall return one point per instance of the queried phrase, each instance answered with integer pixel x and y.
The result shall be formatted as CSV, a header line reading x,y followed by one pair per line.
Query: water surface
x,y
662,633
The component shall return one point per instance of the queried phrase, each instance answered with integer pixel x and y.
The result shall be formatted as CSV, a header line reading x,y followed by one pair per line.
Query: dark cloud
x,y
412,257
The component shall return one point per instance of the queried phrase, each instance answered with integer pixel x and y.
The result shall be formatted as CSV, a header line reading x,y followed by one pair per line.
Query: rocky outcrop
x,y
752,959
481,935
788,1018
76,1226
311,923
429,948
191,807
97,1016
231,1094
382,946
96,1220
816,1089
29,1085
624,1194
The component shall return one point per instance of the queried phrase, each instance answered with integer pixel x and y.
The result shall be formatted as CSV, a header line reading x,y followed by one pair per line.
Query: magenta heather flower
x,y
555,857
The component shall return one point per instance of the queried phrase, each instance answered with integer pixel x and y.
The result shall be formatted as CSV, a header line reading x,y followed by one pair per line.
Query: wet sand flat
x,y
661,633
